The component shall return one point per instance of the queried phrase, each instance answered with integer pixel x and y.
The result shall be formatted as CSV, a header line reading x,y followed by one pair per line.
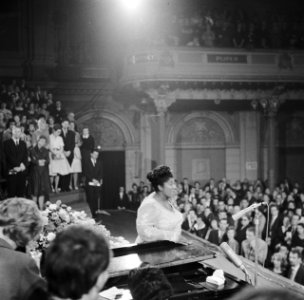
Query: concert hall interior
x,y
151,149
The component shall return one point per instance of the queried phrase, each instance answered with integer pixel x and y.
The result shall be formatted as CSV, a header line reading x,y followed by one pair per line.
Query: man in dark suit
x,y
93,174
68,137
218,236
275,230
16,159
122,200
296,271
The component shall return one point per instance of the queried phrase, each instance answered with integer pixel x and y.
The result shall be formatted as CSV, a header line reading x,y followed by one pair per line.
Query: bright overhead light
x,y
130,5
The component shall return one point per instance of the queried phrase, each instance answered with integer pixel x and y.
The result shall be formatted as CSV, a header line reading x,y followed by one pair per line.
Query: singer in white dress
x,y
157,216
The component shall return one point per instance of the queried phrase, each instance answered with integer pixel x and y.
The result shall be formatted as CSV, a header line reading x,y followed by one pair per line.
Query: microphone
x,y
233,256
247,210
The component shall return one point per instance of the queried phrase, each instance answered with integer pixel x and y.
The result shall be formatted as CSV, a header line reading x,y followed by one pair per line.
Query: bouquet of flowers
x,y
56,217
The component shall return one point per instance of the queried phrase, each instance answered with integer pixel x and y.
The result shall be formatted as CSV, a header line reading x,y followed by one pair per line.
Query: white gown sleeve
x,y
147,218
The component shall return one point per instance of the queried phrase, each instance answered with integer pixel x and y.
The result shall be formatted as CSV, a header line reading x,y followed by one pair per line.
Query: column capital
x,y
162,98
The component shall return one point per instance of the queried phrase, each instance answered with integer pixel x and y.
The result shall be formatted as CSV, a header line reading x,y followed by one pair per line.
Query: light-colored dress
x,y
76,164
155,222
58,161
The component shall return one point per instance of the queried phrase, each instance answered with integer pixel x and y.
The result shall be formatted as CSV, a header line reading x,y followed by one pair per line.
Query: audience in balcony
x,y
220,27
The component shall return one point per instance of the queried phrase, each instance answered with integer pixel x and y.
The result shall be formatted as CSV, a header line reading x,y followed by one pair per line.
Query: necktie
x,y
17,143
94,162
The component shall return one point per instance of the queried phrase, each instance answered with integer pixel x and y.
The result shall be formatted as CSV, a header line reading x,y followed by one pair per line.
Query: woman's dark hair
x,y
74,261
56,127
149,283
159,176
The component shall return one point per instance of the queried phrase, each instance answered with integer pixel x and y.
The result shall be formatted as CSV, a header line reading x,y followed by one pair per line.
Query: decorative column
x,y
270,108
162,99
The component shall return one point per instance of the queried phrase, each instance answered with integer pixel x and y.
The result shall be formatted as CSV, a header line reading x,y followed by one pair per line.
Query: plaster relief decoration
x,y
105,132
201,169
291,132
201,131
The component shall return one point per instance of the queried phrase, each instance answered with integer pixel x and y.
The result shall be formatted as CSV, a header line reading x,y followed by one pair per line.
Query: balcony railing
x,y
199,64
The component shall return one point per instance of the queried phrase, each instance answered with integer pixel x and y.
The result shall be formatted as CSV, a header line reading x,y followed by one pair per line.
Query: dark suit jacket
x,y
93,172
275,231
299,276
214,237
19,276
69,144
124,201
14,155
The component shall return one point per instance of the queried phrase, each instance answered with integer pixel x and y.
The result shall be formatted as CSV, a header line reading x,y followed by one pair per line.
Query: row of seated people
x,y
208,211
76,263
220,27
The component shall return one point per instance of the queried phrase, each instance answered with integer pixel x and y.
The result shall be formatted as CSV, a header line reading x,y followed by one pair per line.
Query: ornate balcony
x,y
216,65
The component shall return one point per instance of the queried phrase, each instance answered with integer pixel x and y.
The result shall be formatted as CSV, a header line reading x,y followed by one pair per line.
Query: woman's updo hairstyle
x,y
159,176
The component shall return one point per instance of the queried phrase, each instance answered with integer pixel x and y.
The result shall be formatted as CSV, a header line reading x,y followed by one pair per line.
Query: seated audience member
x,y
296,270
219,235
20,223
232,242
298,238
149,283
122,199
242,228
277,263
200,228
249,247
76,264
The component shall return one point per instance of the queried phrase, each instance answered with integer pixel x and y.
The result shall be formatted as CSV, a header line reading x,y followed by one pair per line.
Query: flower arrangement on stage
x,y
57,216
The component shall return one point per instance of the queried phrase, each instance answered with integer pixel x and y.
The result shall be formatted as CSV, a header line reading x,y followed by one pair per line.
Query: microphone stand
x,y
256,222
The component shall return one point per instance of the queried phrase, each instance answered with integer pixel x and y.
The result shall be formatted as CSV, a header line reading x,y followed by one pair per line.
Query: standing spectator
x,y
41,130
58,163
76,163
7,134
93,174
249,247
58,113
68,137
87,145
39,156
16,159
51,123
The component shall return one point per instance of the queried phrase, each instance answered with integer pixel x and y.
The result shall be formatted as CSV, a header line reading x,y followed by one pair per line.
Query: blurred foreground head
x,y
76,263
149,283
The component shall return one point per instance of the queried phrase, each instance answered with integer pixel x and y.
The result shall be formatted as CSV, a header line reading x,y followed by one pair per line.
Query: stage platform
x,y
122,223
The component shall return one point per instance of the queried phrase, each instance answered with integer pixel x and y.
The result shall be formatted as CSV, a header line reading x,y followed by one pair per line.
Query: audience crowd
x,y
208,211
205,26
41,149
